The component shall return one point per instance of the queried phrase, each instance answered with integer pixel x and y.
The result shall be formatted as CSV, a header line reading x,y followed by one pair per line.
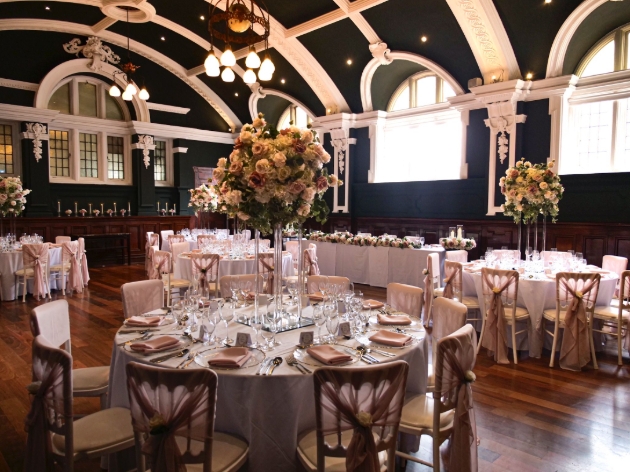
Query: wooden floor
x,y
529,417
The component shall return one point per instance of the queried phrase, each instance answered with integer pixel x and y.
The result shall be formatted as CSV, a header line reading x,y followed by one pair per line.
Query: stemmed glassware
x,y
332,325
292,287
256,323
267,334
319,319
227,314
209,324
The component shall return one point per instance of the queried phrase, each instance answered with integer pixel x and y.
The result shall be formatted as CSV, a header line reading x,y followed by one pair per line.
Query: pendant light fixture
x,y
241,22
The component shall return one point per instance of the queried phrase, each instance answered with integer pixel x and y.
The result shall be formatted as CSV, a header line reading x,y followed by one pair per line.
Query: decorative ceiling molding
x,y
565,35
167,63
260,92
358,20
482,26
103,24
383,56
18,84
137,11
167,108
94,50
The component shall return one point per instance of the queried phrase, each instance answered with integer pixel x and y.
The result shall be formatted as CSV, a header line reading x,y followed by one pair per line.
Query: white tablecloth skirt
x,y
269,412
375,266
537,296
192,243
12,261
183,267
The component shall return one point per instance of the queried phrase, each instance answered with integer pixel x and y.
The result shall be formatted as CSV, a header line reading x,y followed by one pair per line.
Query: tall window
x,y
294,115
159,161
87,96
597,139
115,157
6,149
424,88
59,153
88,150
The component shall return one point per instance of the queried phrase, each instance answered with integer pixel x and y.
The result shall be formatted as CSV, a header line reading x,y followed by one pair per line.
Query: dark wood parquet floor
x,y
529,417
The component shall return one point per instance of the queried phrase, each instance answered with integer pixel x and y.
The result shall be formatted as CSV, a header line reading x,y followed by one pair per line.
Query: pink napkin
x,y
367,304
155,345
391,339
328,355
400,320
316,297
145,321
231,358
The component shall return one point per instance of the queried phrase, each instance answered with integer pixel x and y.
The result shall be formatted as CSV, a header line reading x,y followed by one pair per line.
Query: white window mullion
x,y
75,157
102,156
617,145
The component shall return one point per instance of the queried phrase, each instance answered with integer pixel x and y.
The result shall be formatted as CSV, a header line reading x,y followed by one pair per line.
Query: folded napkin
x,y
367,304
328,355
231,358
400,320
156,312
144,321
155,345
251,296
391,339
316,297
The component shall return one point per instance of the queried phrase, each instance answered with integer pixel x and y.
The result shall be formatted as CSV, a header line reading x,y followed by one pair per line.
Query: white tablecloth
x,y
375,266
536,295
12,261
267,411
192,243
183,267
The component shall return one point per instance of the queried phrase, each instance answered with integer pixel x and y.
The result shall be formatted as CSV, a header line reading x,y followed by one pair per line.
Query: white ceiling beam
x,y
103,24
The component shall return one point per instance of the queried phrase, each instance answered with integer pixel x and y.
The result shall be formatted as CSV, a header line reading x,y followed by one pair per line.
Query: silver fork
x,y
292,361
144,337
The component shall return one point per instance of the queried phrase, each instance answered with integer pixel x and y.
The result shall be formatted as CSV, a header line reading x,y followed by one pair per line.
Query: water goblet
x,y
267,334
319,319
226,315
209,327
256,324
332,325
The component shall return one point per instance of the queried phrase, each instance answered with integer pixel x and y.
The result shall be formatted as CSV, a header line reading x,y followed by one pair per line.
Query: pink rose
x,y
279,159
257,180
236,168
218,174
321,183
262,166
512,173
298,146
259,149
308,194
296,187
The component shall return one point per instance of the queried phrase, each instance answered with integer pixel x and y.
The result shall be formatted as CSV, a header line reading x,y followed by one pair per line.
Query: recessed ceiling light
x,y
349,62
529,76
547,1
47,7
202,17
423,39
282,81
163,38
236,94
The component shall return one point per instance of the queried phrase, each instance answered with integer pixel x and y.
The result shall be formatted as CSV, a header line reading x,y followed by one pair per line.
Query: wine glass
x,y
274,326
256,324
226,315
332,325
421,240
209,327
292,287
319,319
267,334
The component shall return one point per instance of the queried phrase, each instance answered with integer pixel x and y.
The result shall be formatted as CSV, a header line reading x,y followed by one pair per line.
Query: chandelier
x,y
128,69
242,22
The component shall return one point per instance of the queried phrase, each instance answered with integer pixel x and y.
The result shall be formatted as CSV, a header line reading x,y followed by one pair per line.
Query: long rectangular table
x,y
375,266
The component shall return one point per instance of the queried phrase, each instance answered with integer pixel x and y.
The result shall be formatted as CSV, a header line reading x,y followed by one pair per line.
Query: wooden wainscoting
x,y
594,240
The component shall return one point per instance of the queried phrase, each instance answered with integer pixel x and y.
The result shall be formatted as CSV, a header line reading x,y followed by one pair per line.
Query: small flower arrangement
x,y
96,212
83,211
458,244
203,198
12,196
316,236
122,212
110,212
172,211
163,211
531,190
68,212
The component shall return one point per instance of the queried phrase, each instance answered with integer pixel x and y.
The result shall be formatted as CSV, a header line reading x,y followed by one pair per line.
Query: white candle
x,y
459,233
452,234
129,207
102,208
75,208
158,205
174,208
114,207
166,207
89,214
58,206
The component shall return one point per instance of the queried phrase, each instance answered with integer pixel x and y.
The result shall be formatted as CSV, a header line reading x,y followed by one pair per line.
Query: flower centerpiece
x,y
110,212
68,212
96,212
122,212
273,179
457,244
83,211
12,196
202,198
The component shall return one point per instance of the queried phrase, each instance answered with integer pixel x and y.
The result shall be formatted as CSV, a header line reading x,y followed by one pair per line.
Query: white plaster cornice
x,y
18,84
482,26
260,92
20,113
167,108
180,132
564,36
66,27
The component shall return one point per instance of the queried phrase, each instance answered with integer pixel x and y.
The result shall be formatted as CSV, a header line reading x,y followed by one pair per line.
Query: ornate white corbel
x,y
92,49
379,51
341,141
145,142
37,132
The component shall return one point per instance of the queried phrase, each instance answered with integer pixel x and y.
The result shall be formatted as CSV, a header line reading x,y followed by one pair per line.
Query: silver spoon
x,y
364,353
275,363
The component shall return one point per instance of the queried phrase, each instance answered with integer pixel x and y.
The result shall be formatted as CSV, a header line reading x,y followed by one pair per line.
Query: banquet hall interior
x,y
362,235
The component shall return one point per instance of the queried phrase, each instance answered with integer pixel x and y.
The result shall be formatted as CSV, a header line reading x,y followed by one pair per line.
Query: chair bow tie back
x,y
310,262
267,268
71,253
495,340
37,254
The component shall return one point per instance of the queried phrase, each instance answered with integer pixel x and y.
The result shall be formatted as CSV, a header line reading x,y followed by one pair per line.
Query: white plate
x,y
415,321
364,339
203,357
303,356
183,343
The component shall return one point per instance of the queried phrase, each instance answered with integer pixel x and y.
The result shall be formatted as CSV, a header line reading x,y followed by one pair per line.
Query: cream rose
x,y
279,159
222,163
262,166
307,137
325,158
218,174
235,156
543,185
309,194
258,123
260,149
246,137
304,210
236,168
284,173
242,216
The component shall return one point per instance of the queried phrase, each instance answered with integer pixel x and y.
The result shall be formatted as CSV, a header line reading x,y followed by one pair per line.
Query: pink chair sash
x,y
405,298
376,402
453,272
36,255
161,264
574,350
266,268
456,360
71,254
428,294
152,240
206,266
85,273
310,262
494,338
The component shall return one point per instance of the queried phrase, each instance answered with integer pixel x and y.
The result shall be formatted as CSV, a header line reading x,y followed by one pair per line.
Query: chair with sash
x,y
163,269
357,414
265,269
164,237
576,294
405,298
453,287
52,322
35,267
53,435
616,265
309,263
62,239
431,285
500,293
85,273
153,241
142,297
616,317
314,282
205,270
457,256
69,272
450,413
175,238
203,239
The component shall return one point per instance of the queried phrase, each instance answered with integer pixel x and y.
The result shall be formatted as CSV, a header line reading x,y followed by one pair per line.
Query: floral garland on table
x,y
458,244
384,240
274,177
12,196
531,190
202,198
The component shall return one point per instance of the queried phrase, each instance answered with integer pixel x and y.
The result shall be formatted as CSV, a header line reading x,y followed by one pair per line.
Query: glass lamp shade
x,y
264,74
227,58
249,77
252,61
214,72
227,75
211,63
267,65
143,95
127,96
131,88
114,91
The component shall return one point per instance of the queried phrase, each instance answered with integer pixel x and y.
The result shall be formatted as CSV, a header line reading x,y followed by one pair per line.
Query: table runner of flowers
x,y
345,237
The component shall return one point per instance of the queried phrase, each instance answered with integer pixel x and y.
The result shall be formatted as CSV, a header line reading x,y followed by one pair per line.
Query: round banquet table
x,y
269,412
536,295
183,267
12,261
192,243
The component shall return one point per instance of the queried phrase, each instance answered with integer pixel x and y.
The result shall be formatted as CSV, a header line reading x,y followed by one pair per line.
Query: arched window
x,y
597,138
87,96
296,115
424,88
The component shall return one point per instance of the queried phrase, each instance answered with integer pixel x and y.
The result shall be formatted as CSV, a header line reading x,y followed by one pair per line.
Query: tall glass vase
x,y
544,233
518,246
300,269
277,268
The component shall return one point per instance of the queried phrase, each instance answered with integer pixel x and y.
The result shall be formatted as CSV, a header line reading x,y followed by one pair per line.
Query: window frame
x,y
17,149
411,83
291,112
169,182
